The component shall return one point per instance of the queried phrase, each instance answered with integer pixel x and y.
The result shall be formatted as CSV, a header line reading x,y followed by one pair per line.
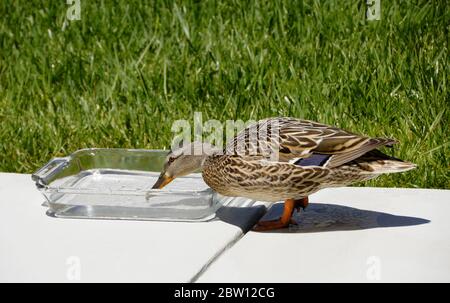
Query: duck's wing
x,y
294,139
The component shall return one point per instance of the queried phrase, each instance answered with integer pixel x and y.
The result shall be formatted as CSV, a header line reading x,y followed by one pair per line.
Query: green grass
x,y
122,74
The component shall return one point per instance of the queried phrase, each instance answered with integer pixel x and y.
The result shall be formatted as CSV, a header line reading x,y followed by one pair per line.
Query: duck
x,y
283,159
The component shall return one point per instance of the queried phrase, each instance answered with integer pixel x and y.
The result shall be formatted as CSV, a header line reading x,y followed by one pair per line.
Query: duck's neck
x,y
208,152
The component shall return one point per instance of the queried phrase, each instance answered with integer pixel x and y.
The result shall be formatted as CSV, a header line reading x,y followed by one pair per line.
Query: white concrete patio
x,y
353,235
347,234
39,248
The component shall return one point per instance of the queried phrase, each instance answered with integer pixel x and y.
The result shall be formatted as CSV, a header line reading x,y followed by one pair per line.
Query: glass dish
x,y
116,184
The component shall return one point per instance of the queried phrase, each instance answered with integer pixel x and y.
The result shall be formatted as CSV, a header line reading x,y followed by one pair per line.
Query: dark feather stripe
x,y
314,160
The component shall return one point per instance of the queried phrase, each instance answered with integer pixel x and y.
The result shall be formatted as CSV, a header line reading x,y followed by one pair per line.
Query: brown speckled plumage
x,y
249,172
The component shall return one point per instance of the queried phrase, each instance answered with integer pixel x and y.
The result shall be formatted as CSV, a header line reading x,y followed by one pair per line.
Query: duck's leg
x,y
286,217
301,203
284,220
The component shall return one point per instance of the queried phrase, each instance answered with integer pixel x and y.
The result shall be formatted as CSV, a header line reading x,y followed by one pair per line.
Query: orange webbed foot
x,y
286,217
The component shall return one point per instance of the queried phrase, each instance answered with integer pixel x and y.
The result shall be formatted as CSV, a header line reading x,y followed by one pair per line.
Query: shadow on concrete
x,y
243,217
332,217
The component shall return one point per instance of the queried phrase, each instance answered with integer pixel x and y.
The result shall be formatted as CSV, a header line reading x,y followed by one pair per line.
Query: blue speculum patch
x,y
314,160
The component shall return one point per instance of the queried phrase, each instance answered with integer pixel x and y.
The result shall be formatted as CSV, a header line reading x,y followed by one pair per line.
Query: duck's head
x,y
183,161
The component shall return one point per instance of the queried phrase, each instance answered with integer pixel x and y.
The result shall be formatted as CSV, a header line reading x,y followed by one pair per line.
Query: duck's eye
x,y
171,159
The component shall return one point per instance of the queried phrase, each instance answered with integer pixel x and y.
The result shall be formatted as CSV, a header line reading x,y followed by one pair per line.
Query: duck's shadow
x,y
320,217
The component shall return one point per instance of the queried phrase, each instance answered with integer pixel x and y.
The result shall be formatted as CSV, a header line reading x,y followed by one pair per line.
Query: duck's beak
x,y
162,181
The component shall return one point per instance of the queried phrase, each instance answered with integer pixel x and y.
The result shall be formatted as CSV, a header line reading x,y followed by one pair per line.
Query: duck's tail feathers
x,y
376,162
390,166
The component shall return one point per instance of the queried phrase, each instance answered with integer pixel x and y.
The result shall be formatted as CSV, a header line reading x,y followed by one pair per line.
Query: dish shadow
x,y
320,217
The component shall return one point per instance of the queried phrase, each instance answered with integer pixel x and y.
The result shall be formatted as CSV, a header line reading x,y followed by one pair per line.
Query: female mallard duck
x,y
309,156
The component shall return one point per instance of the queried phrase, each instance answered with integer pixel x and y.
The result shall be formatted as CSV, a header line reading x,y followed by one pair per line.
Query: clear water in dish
x,y
122,188
116,180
